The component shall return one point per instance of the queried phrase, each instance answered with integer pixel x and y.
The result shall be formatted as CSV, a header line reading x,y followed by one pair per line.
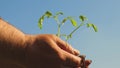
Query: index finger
x,y
67,47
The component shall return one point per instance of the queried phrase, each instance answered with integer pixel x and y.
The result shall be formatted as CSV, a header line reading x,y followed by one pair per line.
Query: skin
x,y
19,50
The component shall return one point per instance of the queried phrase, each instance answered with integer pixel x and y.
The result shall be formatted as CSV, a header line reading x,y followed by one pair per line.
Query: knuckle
x,y
52,36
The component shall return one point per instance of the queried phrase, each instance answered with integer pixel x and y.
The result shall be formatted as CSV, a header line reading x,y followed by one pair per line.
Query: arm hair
x,y
12,44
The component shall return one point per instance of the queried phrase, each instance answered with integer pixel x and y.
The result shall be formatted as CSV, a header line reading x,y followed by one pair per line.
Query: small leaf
x,y
40,25
48,14
82,18
59,13
64,20
89,25
74,23
94,27
40,22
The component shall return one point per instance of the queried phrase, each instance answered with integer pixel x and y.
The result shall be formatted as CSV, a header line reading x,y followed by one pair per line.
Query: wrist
x,y
12,54
29,41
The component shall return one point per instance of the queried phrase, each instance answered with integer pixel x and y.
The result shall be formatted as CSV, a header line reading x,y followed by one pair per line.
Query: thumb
x,y
71,60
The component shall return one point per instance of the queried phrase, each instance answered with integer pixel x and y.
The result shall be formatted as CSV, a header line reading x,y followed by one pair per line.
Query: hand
x,y
49,51
18,50
84,63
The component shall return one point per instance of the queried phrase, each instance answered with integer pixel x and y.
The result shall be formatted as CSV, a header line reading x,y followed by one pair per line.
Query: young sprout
x,y
83,22
82,18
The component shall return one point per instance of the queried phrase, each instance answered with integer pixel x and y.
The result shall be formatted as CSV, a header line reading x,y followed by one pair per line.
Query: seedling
x,y
83,22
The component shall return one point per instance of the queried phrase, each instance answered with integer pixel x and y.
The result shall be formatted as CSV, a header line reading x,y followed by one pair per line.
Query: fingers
x,y
65,46
75,61
88,62
83,65
71,60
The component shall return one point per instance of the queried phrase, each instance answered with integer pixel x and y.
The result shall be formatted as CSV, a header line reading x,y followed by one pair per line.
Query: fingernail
x,y
76,52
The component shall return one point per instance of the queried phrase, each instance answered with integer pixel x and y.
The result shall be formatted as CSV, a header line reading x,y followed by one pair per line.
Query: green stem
x,y
76,28
58,30
59,25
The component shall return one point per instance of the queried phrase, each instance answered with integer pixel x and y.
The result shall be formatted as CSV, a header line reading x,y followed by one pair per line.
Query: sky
x,y
102,47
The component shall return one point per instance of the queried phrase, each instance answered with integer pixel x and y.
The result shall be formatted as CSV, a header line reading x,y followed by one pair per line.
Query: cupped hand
x,y
49,51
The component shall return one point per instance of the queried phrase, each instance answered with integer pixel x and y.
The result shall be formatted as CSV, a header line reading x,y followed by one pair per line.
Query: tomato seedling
x,y
83,22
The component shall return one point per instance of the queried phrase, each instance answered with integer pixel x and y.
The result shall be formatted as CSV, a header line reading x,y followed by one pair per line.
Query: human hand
x,y
84,63
49,51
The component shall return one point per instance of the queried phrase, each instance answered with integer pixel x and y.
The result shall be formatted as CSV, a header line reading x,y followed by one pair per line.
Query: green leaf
x,y
40,22
94,27
48,14
40,25
74,23
82,18
64,20
59,13
89,25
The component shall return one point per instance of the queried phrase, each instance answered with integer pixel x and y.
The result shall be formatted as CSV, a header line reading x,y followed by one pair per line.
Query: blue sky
x,y
103,47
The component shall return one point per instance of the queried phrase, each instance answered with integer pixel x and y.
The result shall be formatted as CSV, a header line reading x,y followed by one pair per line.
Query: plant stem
x,y
59,25
76,28
58,30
